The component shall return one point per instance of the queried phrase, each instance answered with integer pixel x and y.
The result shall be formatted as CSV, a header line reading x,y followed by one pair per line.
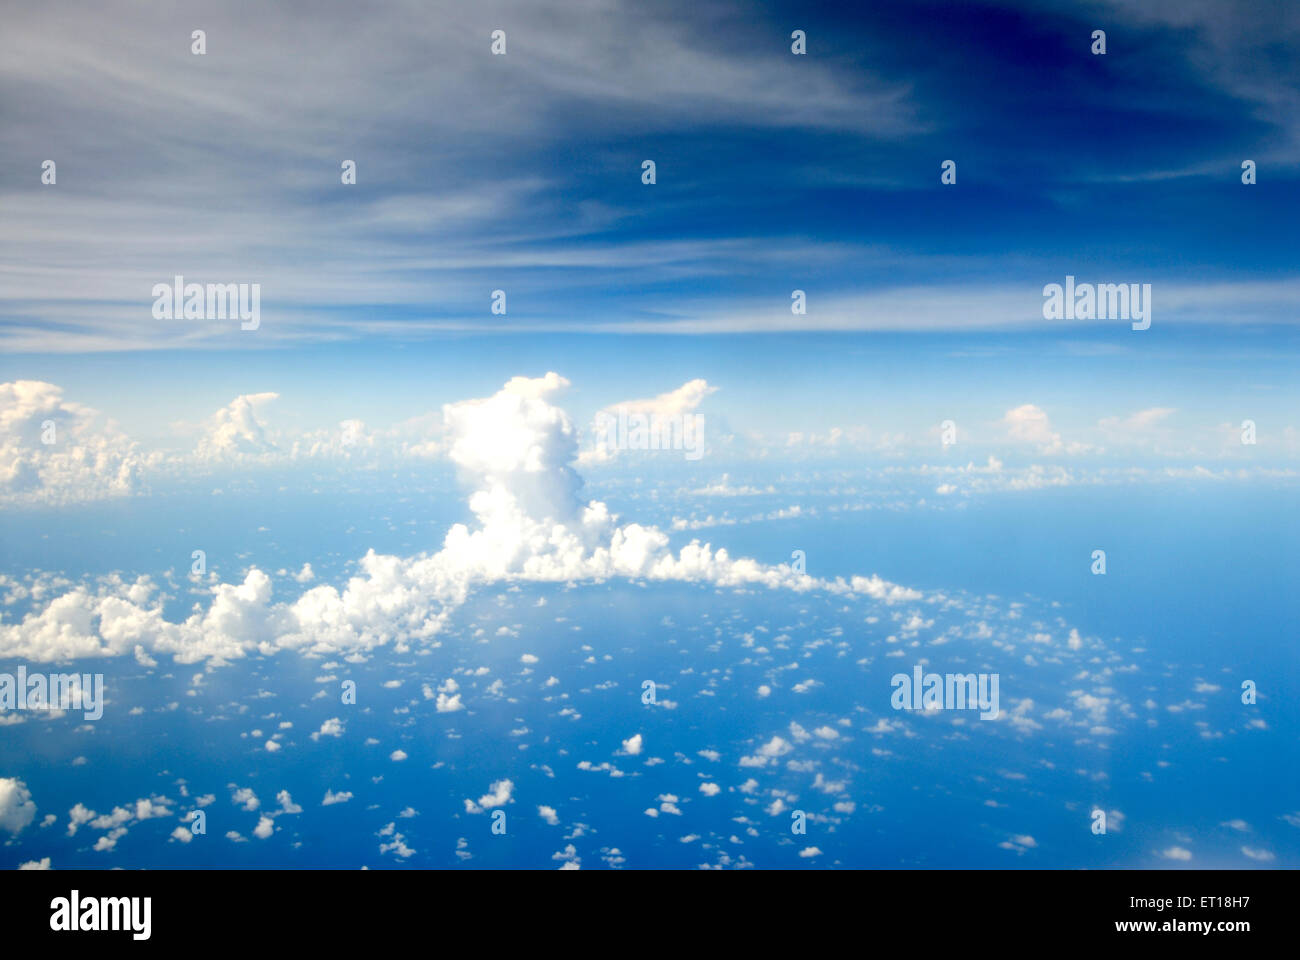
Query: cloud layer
x,y
515,450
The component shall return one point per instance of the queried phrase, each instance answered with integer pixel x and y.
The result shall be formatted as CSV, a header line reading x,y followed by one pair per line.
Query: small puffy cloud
x,y
397,755
397,846
632,745
549,815
570,857
710,789
498,796
16,807
1019,843
1176,853
77,816
448,704
333,727
343,796
41,864
265,827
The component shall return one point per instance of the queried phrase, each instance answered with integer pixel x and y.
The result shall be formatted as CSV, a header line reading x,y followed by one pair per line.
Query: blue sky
x,y
392,484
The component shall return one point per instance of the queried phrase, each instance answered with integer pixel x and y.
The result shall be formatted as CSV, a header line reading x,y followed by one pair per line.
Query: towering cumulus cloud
x,y
515,450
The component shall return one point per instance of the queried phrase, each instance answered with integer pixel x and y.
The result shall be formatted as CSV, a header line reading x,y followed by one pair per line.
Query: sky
x,y
395,475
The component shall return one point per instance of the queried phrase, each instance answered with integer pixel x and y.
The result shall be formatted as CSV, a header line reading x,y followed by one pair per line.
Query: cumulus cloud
x,y
666,408
498,796
56,451
238,430
515,451
333,727
1029,424
16,807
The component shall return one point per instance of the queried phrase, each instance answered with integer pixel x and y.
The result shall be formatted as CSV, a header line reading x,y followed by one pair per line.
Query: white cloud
x,y
498,796
55,451
1029,424
16,807
238,431
333,727
331,798
516,449
446,704
632,745
667,407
